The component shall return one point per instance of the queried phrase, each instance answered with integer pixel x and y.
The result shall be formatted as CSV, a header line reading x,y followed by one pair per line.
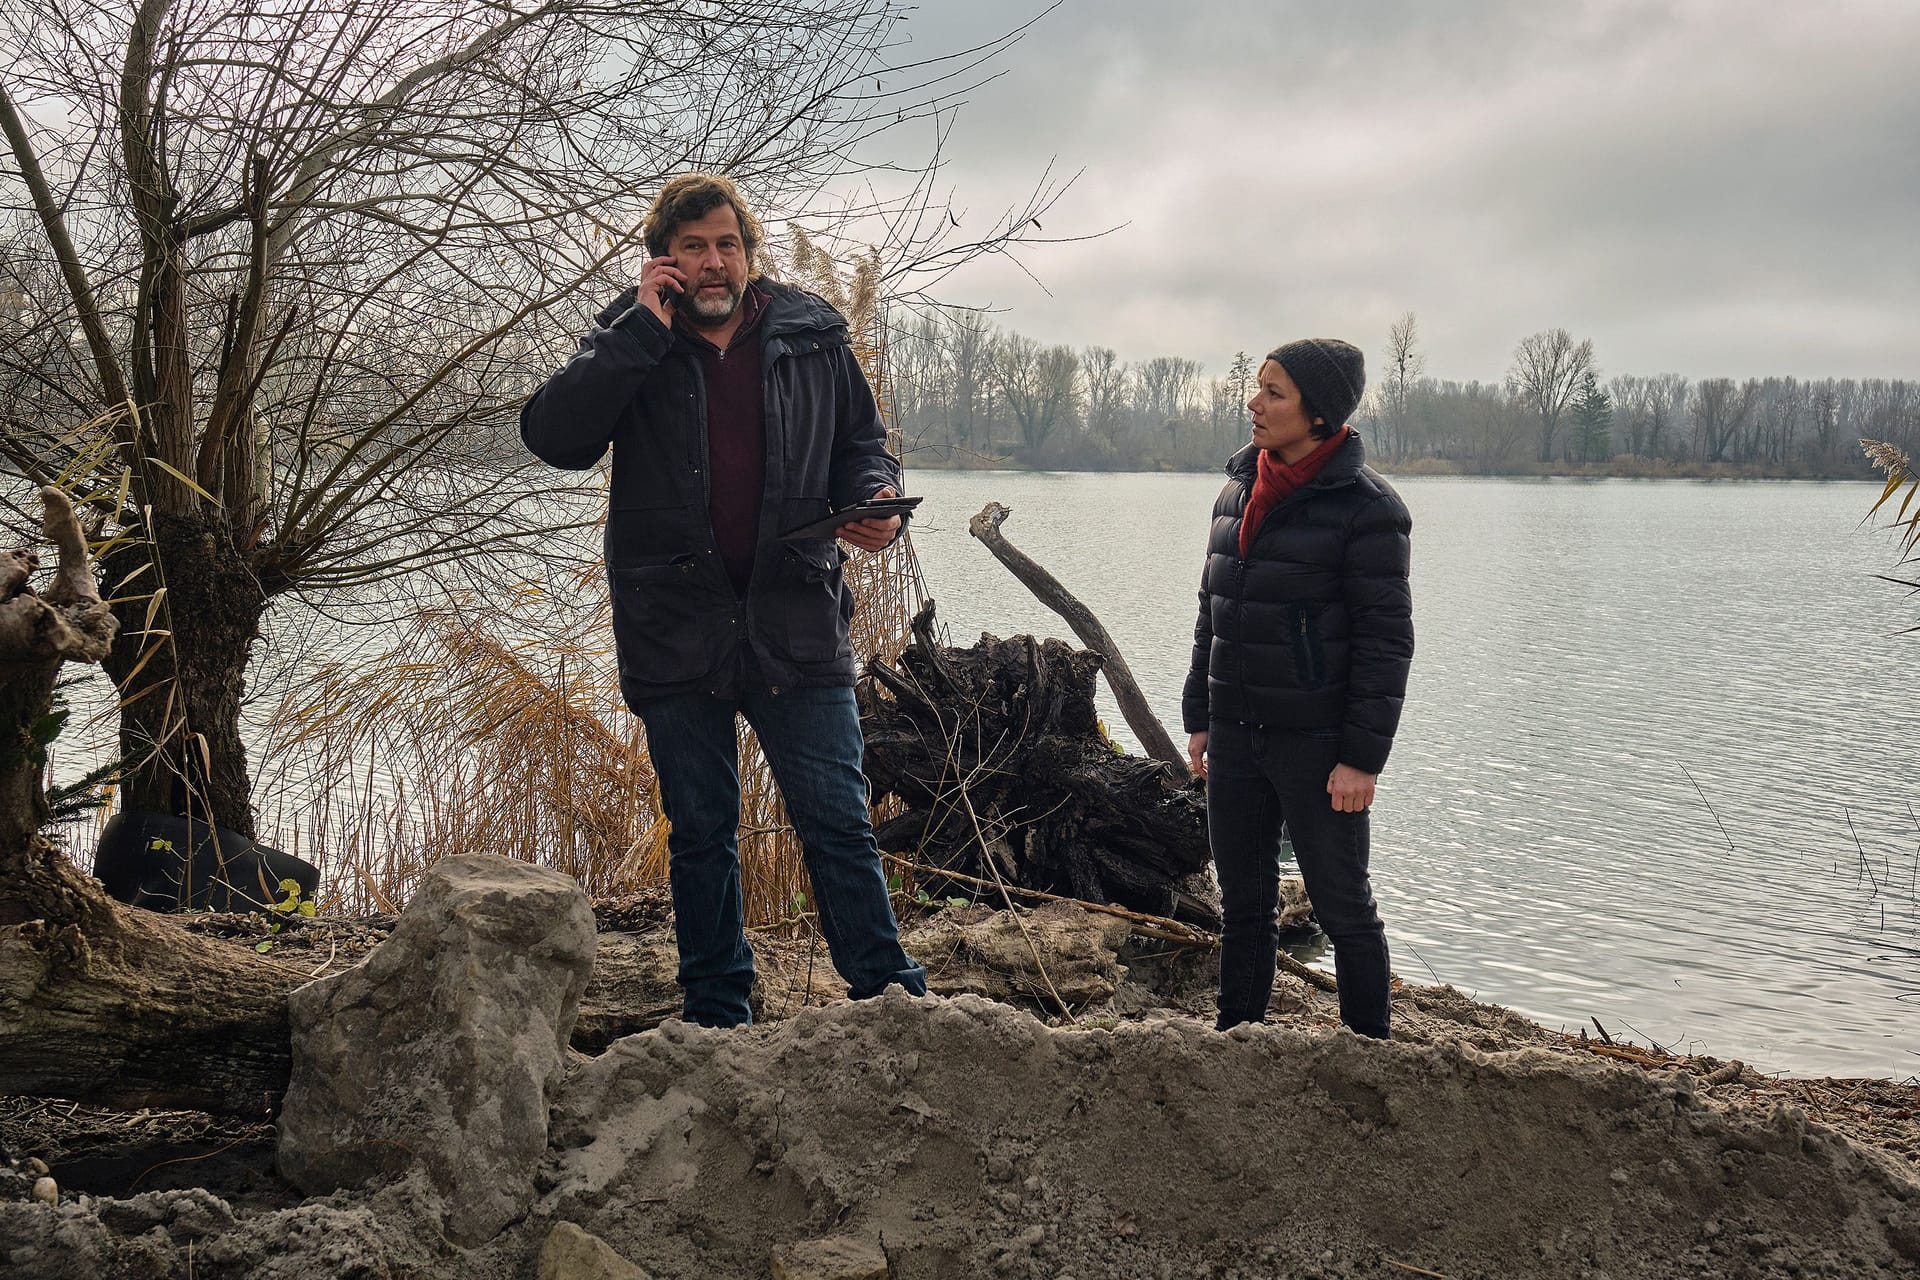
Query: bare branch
x,y
112,382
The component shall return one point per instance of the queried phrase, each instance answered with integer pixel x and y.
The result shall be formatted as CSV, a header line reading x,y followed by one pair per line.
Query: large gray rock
x,y
439,1050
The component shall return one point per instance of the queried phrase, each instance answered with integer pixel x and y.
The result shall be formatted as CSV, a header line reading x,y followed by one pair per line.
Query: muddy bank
x,y
962,1136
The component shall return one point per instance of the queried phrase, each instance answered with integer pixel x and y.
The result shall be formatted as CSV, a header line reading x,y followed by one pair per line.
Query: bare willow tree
x,y
1398,382
1547,369
1163,387
322,249
1106,394
1037,384
1721,409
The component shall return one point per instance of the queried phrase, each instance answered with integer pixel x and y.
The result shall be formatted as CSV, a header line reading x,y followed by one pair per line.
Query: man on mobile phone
x,y
735,411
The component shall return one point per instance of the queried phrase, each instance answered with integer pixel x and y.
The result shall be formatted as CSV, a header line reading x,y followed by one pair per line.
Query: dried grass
x,y
1901,474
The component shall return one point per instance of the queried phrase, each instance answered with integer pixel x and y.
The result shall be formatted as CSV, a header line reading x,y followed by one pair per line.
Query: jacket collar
x,y
1341,469
791,310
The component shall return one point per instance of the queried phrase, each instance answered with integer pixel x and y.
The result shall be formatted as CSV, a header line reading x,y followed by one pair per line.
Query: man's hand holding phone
x,y
661,284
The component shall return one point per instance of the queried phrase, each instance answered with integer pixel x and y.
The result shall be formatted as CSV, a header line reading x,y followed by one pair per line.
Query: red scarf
x,y
1277,479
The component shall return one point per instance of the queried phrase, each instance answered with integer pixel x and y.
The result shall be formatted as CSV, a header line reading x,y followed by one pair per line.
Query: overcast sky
x,y
1705,187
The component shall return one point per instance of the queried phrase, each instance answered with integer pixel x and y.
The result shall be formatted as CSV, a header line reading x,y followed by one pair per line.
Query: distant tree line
x,y
967,392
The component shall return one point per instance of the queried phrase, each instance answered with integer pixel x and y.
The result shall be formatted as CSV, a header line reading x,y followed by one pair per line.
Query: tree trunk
x,y
39,632
100,1001
185,695
120,1007
24,696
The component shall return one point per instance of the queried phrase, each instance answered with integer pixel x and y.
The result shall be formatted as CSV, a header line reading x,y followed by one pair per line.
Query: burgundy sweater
x,y
736,438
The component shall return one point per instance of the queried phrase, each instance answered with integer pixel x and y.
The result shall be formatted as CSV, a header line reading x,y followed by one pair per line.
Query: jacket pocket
x,y
660,624
810,602
1309,658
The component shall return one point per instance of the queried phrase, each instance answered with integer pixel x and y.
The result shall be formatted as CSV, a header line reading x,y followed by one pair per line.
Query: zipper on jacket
x,y
701,463
1312,661
1240,625
773,457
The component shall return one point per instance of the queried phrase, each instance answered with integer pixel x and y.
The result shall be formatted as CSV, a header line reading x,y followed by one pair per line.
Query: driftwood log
x,y
997,753
100,1001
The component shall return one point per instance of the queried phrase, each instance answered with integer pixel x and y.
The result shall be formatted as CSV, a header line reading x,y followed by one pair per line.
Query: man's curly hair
x,y
690,197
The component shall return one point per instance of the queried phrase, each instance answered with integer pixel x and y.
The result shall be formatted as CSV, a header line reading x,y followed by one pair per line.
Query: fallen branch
x,y
1164,929
1048,590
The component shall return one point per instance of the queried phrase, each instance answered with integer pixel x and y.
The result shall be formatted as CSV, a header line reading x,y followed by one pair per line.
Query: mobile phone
x,y
668,295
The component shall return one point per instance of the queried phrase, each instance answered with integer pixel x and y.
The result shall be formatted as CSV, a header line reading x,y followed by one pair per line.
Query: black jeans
x,y
1258,778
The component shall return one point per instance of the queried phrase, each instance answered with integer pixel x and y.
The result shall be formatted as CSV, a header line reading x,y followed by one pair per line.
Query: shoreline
x,y
968,1134
1618,469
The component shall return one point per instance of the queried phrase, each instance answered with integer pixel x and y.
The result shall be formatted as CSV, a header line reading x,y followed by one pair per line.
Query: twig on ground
x,y
333,948
1306,973
1635,1056
205,1155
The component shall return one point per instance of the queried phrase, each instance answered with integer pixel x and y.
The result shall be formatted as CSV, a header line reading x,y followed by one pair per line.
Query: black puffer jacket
x,y
636,385
1315,629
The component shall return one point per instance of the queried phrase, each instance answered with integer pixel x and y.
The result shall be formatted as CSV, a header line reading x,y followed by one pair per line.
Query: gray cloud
x,y
1711,187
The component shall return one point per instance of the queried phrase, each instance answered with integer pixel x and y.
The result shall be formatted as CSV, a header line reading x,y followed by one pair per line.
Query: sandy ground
x,y
968,1138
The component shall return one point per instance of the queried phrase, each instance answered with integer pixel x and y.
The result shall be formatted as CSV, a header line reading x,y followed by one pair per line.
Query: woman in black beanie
x,y
1299,668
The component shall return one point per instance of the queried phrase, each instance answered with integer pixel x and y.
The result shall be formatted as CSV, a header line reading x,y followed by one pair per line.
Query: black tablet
x,y
872,509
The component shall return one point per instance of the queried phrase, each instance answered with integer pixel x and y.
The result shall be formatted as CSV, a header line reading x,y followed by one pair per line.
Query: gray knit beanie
x,y
1330,373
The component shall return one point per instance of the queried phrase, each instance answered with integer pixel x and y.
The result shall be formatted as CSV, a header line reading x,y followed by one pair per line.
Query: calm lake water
x,y
1601,669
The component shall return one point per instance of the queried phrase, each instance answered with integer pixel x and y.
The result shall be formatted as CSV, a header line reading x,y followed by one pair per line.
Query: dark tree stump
x,y
997,751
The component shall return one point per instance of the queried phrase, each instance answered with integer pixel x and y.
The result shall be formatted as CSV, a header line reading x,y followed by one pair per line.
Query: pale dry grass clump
x,y
460,739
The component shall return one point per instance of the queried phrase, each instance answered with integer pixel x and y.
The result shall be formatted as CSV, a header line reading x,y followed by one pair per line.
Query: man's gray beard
x,y
715,313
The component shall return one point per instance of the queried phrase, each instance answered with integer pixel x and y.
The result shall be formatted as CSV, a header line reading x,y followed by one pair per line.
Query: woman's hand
x,y
1352,790
1197,752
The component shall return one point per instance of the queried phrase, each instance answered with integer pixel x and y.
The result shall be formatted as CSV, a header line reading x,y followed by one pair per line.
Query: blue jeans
x,y
1258,778
811,738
